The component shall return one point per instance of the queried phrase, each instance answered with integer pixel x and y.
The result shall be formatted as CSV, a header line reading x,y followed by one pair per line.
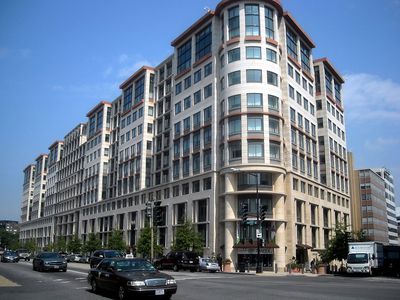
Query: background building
x,y
240,113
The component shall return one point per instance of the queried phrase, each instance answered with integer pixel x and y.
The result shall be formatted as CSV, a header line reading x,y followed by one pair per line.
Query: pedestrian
x,y
219,260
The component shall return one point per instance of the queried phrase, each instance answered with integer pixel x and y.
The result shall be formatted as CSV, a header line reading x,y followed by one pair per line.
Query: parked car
x,y
179,260
24,254
74,258
131,276
9,256
84,259
207,264
46,261
98,256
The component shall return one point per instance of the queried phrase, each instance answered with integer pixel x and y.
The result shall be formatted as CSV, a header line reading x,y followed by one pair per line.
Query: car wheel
x,y
175,268
121,293
33,267
167,297
64,270
94,287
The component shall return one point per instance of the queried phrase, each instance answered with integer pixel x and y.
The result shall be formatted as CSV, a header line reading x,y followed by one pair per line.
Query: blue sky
x,y
60,58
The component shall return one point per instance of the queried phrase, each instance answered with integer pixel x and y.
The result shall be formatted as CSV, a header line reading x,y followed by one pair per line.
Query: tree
x,y
60,245
74,245
31,246
116,241
8,240
93,244
144,243
187,239
338,246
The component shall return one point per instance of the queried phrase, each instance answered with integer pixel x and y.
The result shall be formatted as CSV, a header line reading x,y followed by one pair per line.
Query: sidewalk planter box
x,y
226,265
321,269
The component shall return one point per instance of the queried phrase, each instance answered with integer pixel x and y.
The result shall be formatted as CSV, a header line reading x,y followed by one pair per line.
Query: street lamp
x,y
258,231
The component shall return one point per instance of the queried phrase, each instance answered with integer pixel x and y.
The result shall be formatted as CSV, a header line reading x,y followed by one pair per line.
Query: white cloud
x,y
131,68
371,98
125,65
382,143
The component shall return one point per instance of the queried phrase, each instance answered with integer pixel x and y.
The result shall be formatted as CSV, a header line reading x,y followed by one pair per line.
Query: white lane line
x,y
59,279
81,288
200,277
65,281
80,278
77,272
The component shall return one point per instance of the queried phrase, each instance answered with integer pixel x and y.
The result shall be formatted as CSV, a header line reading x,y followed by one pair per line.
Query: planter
x,y
321,269
295,270
227,267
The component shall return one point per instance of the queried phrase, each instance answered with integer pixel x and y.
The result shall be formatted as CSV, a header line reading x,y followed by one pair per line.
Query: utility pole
x,y
149,214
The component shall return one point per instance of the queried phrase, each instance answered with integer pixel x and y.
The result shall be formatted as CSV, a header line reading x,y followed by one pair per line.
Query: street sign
x,y
258,234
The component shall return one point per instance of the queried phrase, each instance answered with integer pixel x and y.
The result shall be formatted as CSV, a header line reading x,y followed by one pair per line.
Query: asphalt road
x,y
19,281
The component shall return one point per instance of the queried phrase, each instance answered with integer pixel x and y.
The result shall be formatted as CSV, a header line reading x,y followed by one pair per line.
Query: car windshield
x,y
357,258
208,260
110,254
10,253
128,265
49,255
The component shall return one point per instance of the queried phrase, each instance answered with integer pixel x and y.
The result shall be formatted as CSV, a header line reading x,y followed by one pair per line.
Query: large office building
x,y
240,115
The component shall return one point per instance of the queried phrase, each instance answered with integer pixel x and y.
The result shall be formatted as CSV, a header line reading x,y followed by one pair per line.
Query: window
x,y
186,124
271,56
207,135
233,22
292,115
254,100
178,88
196,140
235,150
255,149
203,42
305,57
208,91
185,171
207,183
234,102
291,40
291,91
274,151
184,56
255,124
197,97
234,78
269,22
328,82
196,162
206,159
274,126
177,128
253,52
272,78
139,90
187,82
253,75
207,114
177,147
178,108
233,55
187,103
186,144
235,126
290,70
128,98
252,20
207,69
273,102
197,76
196,120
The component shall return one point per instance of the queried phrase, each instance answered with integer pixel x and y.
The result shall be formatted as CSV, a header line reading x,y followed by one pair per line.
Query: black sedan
x,y
46,261
9,256
133,276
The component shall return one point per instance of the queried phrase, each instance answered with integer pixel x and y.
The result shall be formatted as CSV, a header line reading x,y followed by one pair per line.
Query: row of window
x,y
301,81
300,162
137,114
197,76
195,138
302,122
187,124
309,189
187,102
252,52
192,163
253,100
255,150
255,124
302,101
252,75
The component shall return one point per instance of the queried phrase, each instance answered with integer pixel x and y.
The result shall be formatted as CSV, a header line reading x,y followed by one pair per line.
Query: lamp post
x,y
258,231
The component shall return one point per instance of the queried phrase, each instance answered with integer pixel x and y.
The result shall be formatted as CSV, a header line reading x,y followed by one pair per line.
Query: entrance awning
x,y
253,245
303,246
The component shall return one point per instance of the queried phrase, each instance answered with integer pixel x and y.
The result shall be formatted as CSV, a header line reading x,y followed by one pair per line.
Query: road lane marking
x,y
4,282
77,272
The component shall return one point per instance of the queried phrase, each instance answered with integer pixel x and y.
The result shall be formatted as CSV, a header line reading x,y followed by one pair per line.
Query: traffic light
x,y
157,214
245,211
148,209
264,210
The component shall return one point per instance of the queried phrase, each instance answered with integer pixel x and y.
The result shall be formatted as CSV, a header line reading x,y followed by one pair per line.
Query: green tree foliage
x,y
187,239
60,245
93,244
116,241
75,245
8,240
144,243
338,247
31,246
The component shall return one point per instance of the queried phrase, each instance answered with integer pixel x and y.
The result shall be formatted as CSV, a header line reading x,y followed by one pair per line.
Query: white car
x,y
207,264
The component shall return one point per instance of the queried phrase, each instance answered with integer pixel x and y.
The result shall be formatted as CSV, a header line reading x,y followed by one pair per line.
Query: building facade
x,y
390,204
240,114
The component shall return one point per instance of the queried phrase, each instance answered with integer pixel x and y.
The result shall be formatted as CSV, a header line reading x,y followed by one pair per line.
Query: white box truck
x,y
365,258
